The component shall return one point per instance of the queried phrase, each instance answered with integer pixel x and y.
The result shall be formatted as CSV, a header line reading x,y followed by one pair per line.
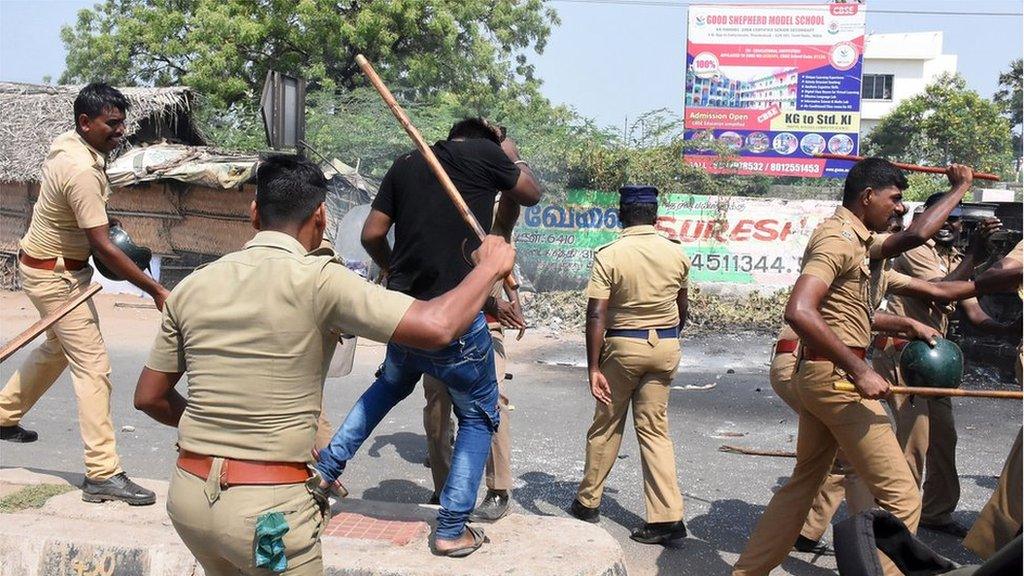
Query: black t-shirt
x,y
432,243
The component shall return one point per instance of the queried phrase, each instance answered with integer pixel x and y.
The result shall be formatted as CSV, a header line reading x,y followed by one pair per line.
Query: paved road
x,y
724,493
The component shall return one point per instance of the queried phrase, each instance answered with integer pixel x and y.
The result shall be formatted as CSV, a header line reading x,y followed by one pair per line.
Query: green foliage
x,y
1008,97
443,59
474,49
923,185
947,123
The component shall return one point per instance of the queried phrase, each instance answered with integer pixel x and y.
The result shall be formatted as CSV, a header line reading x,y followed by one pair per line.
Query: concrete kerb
x,y
364,538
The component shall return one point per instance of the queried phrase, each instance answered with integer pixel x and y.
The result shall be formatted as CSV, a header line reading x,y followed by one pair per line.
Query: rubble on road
x,y
566,311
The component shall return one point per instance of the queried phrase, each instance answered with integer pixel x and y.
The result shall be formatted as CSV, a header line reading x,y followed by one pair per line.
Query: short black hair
x,y
473,128
98,97
637,214
872,173
289,189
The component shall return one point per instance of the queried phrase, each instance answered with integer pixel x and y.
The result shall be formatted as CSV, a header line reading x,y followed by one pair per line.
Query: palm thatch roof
x,y
36,114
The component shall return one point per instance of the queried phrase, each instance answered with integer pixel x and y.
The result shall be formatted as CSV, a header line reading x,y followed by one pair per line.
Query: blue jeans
x,y
466,366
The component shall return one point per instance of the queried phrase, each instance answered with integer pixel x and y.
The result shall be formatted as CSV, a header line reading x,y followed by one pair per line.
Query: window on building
x,y
876,87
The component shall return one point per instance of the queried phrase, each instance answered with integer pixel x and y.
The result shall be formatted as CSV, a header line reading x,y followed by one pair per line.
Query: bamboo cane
x,y
941,392
903,166
730,449
428,155
19,341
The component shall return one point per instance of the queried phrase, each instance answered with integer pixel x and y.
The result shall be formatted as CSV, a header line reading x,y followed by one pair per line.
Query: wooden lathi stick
x,y
941,392
903,166
755,452
428,155
19,341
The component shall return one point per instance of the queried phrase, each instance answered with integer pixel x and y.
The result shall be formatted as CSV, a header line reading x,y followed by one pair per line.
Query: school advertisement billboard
x,y
775,85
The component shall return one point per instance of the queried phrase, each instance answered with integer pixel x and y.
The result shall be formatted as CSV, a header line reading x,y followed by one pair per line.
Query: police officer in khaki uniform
x,y
831,308
637,306
841,480
1000,520
925,426
69,221
255,330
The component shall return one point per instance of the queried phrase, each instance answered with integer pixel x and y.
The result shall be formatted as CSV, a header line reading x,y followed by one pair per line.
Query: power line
x,y
683,4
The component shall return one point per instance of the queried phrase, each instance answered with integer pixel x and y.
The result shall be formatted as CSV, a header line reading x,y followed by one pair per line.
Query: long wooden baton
x,y
903,166
428,154
45,322
940,392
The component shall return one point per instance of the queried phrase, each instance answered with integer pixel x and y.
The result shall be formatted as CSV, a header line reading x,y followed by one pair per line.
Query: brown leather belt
x,y
881,341
51,263
814,356
239,472
786,346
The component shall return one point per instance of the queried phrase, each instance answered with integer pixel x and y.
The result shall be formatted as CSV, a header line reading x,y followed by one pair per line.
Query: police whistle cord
x,y
428,155
941,392
730,449
903,166
19,341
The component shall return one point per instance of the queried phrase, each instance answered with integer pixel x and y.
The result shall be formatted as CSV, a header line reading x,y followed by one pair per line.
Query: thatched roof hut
x,y
36,114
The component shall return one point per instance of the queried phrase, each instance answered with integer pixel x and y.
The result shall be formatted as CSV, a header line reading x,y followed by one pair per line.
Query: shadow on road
x,y
724,528
73,478
411,447
543,487
401,491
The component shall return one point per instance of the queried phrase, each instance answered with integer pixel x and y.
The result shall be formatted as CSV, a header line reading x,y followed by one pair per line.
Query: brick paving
x,y
360,527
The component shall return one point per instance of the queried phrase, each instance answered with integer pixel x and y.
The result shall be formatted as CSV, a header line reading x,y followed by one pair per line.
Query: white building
x,y
897,67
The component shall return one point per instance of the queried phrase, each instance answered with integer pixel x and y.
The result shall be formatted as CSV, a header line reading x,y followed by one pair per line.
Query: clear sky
x,y
608,60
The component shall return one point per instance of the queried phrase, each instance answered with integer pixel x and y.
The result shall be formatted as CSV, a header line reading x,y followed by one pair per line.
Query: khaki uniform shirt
x,y
927,262
640,274
840,252
787,333
1017,253
255,330
73,195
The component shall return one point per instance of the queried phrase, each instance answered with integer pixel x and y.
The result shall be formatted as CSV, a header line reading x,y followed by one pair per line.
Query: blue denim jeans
x,y
466,366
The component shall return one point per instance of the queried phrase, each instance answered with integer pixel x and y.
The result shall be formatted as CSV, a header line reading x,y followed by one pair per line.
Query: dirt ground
x,y
720,396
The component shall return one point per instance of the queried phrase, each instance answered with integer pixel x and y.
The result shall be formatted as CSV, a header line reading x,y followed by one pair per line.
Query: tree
x,y
946,123
472,49
1008,97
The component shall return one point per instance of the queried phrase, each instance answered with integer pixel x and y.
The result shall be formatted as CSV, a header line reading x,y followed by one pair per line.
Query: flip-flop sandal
x,y
478,540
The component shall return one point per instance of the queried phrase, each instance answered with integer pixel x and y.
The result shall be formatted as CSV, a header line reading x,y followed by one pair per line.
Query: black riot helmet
x,y
140,255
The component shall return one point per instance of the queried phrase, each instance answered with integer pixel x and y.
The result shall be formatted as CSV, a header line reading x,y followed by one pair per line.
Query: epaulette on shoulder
x,y
603,246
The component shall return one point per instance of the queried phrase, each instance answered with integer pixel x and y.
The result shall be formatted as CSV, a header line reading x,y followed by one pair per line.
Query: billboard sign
x,y
757,243
775,84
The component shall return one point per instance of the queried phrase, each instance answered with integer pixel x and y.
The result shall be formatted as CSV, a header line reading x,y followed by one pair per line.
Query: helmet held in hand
x,y
140,255
927,367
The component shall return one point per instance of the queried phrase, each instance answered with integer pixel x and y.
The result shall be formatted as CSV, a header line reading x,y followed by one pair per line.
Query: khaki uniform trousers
x,y
1000,519
74,341
927,433
841,480
639,373
218,525
831,420
437,424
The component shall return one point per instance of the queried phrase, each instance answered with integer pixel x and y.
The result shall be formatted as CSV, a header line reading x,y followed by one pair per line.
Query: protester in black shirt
x,y
431,253
432,243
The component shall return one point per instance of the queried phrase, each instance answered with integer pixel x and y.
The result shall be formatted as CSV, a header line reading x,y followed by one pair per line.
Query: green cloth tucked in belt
x,y
269,548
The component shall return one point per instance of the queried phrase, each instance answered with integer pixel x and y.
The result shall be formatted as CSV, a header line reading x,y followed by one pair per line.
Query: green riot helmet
x,y
939,367
140,255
